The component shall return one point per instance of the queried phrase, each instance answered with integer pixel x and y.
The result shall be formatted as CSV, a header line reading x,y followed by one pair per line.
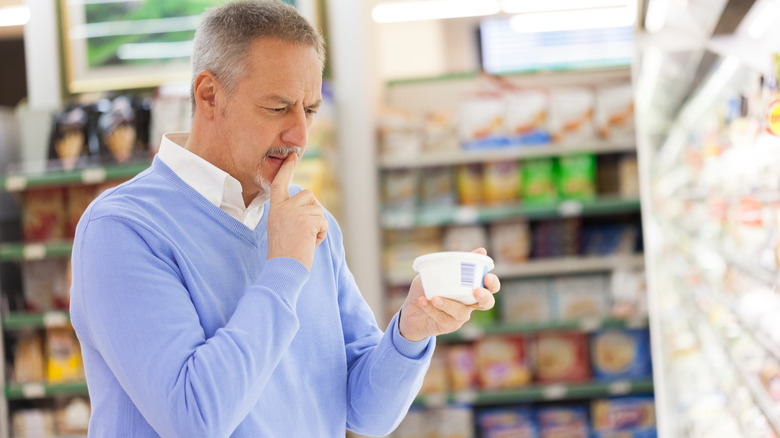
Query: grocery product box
x,y
481,122
462,367
538,181
561,357
44,214
501,182
634,414
526,117
516,422
577,176
510,241
581,296
614,116
571,114
502,362
437,187
526,301
621,354
563,421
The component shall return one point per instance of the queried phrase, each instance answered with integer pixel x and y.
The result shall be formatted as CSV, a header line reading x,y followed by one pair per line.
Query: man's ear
x,y
206,93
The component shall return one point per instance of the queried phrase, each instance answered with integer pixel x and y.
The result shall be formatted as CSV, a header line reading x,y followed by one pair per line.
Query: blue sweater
x,y
187,330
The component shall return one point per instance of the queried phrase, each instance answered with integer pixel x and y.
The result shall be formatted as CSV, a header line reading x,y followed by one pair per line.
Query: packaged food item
x,y
464,238
405,245
116,129
399,190
28,358
556,238
72,417
515,422
561,357
581,296
462,367
63,356
44,215
68,138
437,187
628,293
416,424
32,423
502,362
526,117
538,181
615,112
635,413
470,184
577,176
526,301
571,114
436,378
400,132
510,241
455,421
563,422
501,182
628,170
46,285
620,354
78,198
440,132
481,122
610,239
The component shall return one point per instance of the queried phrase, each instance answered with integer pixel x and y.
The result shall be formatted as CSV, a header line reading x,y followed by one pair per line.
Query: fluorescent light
x,y
657,10
527,6
14,16
764,19
574,19
433,10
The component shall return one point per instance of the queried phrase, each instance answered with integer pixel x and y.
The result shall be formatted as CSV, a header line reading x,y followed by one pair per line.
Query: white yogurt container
x,y
452,274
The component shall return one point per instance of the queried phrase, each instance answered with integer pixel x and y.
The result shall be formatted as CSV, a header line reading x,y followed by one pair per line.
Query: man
x,y
211,298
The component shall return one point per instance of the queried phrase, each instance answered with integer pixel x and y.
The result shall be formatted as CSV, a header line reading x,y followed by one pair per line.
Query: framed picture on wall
x,y
122,44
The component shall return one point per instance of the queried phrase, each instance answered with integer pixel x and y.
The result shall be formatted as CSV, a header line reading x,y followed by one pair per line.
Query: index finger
x,y
280,187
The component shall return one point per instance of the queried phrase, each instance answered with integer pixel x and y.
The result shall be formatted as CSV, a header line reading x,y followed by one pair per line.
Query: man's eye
x,y
311,112
275,110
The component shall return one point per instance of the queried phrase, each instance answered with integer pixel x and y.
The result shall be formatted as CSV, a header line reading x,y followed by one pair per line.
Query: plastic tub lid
x,y
458,255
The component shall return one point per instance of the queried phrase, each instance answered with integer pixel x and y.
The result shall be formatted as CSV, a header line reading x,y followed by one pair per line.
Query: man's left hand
x,y
421,318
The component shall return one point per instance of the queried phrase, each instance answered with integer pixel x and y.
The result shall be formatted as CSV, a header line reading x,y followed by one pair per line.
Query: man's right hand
x,y
296,225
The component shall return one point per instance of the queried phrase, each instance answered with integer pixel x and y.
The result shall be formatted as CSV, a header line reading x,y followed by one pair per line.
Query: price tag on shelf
x,y
590,324
34,251
467,397
94,175
33,390
15,183
555,392
620,387
435,400
570,208
55,319
466,215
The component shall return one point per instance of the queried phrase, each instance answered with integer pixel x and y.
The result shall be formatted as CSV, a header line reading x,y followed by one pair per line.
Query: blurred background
x,y
619,159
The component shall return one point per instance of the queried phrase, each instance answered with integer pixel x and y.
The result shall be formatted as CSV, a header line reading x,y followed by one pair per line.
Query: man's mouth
x,y
277,157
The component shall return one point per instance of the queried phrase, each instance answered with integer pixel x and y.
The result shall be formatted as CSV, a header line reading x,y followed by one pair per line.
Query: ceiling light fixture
x,y
14,16
433,10
657,11
551,21
529,6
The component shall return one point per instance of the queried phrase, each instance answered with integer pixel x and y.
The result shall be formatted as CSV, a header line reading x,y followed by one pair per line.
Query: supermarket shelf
x,y
87,175
541,393
552,266
43,390
483,214
34,251
447,158
16,321
471,332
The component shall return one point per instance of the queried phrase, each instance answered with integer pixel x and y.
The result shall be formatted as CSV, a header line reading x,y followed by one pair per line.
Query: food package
x,y
628,171
470,183
436,378
561,357
416,424
72,417
502,362
44,215
526,301
440,132
437,188
501,182
571,114
581,296
63,356
563,422
462,367
481,122
464,238
68,138
526,117
510,241
404,245
556,238
400,132
456,421
636,413
577,176
78,199
538,181
46,285
615,112
399,190
621,354
32,423
609,239
505,422
28,358
629,293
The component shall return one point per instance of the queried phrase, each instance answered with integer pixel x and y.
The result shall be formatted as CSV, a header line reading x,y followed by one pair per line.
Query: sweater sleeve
x,y
129,302
385,370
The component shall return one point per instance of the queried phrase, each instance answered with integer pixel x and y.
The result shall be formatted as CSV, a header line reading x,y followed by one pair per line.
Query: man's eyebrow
x,y
285,101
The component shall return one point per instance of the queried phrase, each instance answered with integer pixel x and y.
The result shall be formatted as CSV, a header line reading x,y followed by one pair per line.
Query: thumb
x,y
280,187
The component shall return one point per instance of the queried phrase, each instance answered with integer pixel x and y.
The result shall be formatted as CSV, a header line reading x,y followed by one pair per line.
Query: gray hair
x,y
226,33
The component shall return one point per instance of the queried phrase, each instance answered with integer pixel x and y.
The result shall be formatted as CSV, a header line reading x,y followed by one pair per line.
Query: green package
x,y
577,176
537,185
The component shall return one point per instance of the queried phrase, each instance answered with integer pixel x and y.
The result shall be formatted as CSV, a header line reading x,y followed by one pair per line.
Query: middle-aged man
x,y
212,298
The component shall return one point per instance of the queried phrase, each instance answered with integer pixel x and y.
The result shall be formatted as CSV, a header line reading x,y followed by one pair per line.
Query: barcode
x,y
467,274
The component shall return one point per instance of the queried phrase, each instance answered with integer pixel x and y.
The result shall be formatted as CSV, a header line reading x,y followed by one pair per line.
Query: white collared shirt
x,y
213,183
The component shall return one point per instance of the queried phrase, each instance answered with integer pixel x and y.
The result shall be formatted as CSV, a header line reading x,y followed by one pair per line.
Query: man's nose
x,y
296,131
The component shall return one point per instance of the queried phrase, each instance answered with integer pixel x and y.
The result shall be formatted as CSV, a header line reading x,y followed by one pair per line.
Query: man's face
x,y
269,113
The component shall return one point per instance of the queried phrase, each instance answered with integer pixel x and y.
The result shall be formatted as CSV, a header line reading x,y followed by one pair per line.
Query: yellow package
x,y
470,184
63,356
501,182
